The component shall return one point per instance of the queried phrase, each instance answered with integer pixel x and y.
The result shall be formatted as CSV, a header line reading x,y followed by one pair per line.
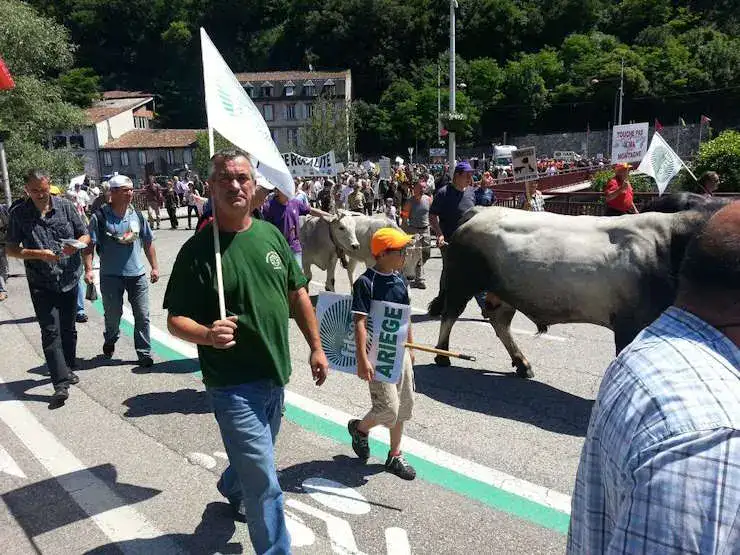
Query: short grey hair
x,y
35,174
227,155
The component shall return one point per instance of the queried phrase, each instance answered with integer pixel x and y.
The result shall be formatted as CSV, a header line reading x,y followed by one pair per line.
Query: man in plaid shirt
x,y
660,468
533,199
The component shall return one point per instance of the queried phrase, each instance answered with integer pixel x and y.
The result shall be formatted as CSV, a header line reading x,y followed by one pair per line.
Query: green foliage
x,y
80,86
723,156
331,127
36,50
202,153
640,183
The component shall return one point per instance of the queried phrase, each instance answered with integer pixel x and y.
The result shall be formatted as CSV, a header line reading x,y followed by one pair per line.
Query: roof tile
x,y
154,138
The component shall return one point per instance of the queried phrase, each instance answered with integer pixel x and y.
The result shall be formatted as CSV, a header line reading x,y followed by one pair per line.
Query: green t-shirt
x,y
259,270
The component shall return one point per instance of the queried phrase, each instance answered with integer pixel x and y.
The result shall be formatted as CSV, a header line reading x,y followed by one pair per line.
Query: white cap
x,y
120,181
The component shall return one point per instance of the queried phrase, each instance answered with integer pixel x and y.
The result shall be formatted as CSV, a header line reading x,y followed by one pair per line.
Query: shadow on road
x,y
47,505
212,535
421,318
18,321
184,401
181,366
19,388
505,396
348,471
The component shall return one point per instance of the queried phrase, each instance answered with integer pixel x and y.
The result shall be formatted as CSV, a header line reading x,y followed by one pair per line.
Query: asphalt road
x,y
130,463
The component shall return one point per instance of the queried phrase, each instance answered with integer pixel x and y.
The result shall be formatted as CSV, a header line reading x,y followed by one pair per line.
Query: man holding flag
x,y
244,357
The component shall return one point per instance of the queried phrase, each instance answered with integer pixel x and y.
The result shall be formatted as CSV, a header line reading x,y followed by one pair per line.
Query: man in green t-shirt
x,y
245,359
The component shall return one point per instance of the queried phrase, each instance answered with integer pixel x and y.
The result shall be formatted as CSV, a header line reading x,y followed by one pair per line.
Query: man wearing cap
x,y
123,238
392,404
41,228
451,202
619,194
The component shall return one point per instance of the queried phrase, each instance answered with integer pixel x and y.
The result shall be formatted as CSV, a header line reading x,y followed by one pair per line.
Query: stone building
x,y
286,99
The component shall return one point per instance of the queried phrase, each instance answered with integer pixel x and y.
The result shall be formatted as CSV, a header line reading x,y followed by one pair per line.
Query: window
x,y
187,156
289,90
309,111
268,112
170,157
309,89
107,159
292,137
267,90
330,88
59,141
290,111
77,141
124,158
274,133
142,158
249,88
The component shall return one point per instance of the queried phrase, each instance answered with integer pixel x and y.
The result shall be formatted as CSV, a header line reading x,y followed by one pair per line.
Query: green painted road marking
x,y
487,494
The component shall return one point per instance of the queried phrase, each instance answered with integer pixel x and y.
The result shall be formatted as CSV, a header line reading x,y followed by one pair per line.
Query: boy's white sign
x,y
387,328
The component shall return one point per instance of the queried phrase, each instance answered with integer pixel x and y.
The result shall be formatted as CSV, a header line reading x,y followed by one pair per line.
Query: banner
x,y
233,114
629,142
385,168
661,162
524,164
304,166
387,331
438,152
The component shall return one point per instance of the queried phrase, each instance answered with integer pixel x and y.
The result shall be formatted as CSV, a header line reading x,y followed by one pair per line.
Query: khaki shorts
x,y
393,403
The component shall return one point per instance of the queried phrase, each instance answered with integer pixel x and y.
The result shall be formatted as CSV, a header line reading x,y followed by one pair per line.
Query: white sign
x,y
437,152
387,327
564,155
233,114
385,168
629,142
524,164
661,163
339,166
304,166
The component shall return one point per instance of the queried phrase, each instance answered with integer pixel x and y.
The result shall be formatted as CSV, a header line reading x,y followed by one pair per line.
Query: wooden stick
x,y
427,349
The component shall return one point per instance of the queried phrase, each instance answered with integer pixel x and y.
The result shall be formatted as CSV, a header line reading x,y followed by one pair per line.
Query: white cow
x,y
345,236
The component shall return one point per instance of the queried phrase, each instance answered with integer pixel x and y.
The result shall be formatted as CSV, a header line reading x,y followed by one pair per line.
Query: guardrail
x,y
504,187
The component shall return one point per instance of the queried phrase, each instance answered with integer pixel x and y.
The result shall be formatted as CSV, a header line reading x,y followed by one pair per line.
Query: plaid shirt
x,y
536,204
660,469
29,229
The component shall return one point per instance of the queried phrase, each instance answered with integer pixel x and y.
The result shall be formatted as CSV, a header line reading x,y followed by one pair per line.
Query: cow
x,y
345,237
677,202
617,272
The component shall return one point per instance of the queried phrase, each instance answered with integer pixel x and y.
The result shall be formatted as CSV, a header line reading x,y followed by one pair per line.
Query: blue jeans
x,y
81,297
137,288
248,416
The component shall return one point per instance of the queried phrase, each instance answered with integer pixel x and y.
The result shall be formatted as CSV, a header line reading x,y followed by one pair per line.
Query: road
x,y
129,464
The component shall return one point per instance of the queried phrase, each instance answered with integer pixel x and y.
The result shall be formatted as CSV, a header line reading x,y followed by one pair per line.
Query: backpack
x,y
102,221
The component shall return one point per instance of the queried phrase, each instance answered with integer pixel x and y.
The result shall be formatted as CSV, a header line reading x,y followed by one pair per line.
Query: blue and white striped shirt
x,y
660,468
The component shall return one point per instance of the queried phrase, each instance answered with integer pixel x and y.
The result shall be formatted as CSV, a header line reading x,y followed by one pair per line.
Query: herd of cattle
x,y
618,272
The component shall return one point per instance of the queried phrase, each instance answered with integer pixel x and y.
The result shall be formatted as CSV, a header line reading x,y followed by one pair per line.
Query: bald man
x,y
660,468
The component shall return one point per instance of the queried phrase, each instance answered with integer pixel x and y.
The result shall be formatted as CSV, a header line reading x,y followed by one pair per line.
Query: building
x,y
286,99
143,152
109,119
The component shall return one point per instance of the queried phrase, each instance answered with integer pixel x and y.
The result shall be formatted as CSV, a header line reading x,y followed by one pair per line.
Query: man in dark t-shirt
x,y
244,357
451,202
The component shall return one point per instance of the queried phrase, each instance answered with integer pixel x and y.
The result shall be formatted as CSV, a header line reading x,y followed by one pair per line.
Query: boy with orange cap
x,y
392,404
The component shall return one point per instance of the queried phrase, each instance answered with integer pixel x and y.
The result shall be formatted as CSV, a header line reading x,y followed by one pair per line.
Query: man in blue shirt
x,y
123,237
39,233
660,468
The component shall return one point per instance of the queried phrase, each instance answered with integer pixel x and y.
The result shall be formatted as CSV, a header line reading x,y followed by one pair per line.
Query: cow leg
x,y
307,271
330,271
351,265
501,317
449,317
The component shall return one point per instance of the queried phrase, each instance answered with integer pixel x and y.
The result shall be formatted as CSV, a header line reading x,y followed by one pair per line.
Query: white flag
x,y
660,162
233,114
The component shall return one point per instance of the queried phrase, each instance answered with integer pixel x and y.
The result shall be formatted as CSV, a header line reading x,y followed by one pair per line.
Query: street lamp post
x,y
451,136
621,91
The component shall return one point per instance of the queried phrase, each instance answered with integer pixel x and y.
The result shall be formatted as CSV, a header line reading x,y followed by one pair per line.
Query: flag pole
x,y
217,239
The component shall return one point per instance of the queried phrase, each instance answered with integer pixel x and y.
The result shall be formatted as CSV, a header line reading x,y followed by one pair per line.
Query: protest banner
x,y
385,168
629,142
232,113
564,155
524,164
387,327
305,166
437,152
661,163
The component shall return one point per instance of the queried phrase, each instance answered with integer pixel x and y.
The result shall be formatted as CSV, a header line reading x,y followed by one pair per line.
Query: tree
x,y
330,127
202,153
36,107
80,86
723,156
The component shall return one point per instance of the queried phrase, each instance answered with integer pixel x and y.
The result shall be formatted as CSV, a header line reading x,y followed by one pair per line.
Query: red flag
x,y
658,126
705,119
6,80
443,133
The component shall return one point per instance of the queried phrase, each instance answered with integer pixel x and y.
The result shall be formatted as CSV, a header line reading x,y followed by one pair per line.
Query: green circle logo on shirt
x,y
273,259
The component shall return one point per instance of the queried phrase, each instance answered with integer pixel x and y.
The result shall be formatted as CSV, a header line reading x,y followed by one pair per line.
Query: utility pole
x,y
439,104
621,92
4,174
451,136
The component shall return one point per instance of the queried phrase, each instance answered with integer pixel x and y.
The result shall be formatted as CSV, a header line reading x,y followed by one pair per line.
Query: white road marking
x,y
8,464
121,524
339,531
337,496
397,541
533,492
201,459
300,534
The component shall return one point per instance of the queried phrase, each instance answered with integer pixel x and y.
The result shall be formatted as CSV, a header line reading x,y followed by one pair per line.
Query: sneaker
x,y
3,296
237,505
81,318
398,466
359,440
74,379
109,349
420,284
146,361
61,394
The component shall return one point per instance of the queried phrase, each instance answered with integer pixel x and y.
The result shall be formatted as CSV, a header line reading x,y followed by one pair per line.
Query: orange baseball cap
x,y
388,238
